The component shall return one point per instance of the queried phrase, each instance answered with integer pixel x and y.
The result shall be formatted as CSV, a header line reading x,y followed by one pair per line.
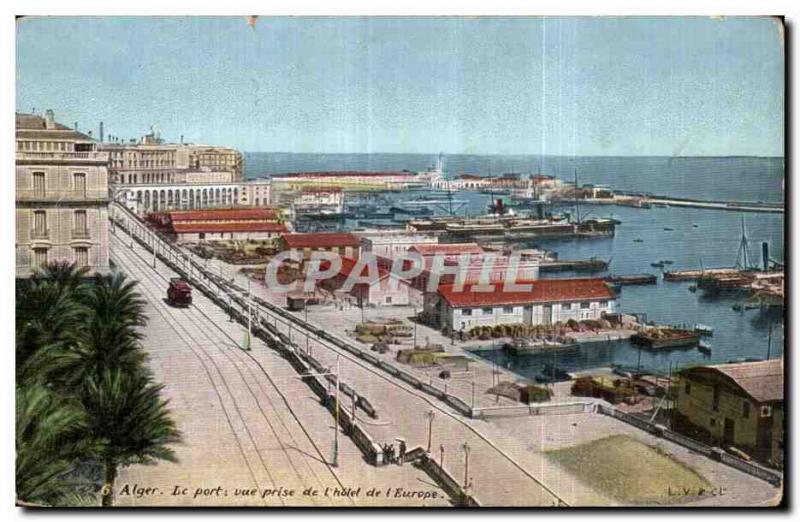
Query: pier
x,y
633,199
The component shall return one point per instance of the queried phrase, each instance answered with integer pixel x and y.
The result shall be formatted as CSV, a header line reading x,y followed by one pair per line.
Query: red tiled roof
x,y
470,176
430,249
543,291
251,226
321,240
762,380
223,214
348,264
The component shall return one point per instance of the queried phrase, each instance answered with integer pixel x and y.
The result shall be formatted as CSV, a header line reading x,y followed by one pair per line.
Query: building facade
x,y
197,226
61,196
146,198
549,301
739,404
383,289
151,162
303,245
392,243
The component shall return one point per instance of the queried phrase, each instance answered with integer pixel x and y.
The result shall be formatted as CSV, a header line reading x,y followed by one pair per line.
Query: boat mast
x,y
577,205
743,255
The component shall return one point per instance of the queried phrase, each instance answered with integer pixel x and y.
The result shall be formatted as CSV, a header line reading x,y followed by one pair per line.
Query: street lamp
x,y
430,414
473,391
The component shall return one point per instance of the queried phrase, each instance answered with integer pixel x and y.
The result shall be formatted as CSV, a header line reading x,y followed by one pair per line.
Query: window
x,y
39,257
488,310
80,229
766,411
79,179
713,421
508,309
466,311
603,304
687,388
39,223
715,403
388,299
81,257
745,410
38,184
585,306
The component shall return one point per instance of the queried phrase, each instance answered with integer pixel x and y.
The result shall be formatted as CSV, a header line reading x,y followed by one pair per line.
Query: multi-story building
x,y
61,196
145,198
149,161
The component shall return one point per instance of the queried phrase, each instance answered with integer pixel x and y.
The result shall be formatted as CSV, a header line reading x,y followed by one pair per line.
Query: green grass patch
x,y
630,471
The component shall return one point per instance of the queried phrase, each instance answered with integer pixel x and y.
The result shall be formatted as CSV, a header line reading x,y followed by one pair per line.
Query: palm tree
x,y
66,275
47,314
110,337
129,420
50,438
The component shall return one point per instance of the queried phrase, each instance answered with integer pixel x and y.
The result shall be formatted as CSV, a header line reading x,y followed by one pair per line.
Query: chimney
x,y
76,126
49,119
181,139
101,132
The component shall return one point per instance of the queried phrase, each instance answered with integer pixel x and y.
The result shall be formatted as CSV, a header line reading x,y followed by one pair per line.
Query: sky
x,y
581,86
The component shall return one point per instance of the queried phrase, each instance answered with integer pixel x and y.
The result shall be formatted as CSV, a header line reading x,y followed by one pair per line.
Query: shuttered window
x,y
80,183
38,183
81,256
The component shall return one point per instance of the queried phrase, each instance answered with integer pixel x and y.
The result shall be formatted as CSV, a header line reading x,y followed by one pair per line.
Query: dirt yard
x,y
631,471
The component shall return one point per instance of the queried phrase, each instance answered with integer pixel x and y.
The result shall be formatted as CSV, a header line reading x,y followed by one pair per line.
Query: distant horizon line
x,y
526,154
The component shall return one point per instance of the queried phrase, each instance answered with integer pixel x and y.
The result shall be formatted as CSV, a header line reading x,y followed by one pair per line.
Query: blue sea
x,y
713,242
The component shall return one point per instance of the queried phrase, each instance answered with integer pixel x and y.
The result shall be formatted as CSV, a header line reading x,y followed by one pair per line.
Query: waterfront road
x,y
248,422
508,462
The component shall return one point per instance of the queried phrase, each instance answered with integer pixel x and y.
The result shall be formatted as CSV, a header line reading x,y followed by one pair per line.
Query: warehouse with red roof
x,y
252,224
370,284
541,302
342,243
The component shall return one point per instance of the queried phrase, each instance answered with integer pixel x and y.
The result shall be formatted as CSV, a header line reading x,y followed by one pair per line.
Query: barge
x,y
658,338
636,279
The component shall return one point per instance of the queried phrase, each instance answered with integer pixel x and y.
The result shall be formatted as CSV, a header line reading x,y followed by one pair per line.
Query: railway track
x,y
205,330
266,311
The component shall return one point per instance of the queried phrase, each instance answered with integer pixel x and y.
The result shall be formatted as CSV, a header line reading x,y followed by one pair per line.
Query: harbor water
x,y
691,238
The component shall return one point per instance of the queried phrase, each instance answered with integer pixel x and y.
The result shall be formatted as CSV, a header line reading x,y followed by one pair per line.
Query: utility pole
x,y
415,328
466,464
769,340
335,458
639,361
249,314
430,415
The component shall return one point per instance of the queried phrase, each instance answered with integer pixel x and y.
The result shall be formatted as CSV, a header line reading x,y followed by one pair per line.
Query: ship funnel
x,y
765,254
